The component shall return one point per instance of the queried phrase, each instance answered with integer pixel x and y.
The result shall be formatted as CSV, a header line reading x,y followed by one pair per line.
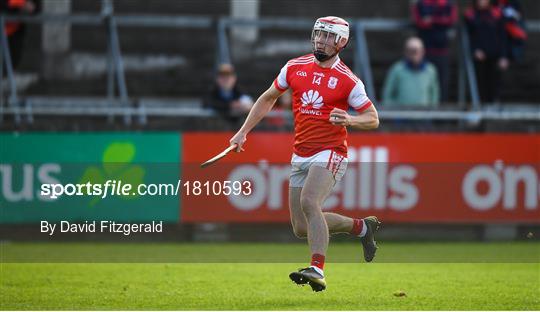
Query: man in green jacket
x,y
412,81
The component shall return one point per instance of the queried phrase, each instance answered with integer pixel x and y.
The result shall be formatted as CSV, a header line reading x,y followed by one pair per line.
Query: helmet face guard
x,y
327,32
320,40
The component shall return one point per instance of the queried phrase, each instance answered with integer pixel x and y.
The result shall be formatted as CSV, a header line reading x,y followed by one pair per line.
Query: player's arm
x,y
368,119
262,106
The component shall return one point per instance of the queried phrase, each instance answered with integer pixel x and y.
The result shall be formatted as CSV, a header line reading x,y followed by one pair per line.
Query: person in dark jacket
x,y
514,26
433,20
226,98
15,31
489,47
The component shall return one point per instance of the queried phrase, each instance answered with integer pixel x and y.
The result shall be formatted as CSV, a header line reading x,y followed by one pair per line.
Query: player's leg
x,y
316,188
310,184
336,223
318,185
364,228
300,170
298,220
296,182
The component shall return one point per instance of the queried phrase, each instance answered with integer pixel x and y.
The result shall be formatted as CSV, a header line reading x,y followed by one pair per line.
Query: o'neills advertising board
x,y
436,178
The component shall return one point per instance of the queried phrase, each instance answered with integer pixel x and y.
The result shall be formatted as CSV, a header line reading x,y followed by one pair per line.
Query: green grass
x,y
261,286
390,252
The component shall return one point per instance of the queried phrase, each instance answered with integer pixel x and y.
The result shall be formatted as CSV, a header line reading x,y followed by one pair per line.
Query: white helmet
x,y
329,25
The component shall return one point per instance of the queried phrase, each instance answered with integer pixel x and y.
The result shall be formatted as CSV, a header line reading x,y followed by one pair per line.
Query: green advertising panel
x,y
34,167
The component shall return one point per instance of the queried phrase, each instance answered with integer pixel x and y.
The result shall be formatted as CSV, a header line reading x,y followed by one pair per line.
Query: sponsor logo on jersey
x,y
318,74
314,99
310,112
301,73
332,82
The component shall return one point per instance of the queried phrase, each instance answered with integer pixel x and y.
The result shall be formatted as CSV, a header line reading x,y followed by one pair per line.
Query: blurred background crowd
x,y
158,59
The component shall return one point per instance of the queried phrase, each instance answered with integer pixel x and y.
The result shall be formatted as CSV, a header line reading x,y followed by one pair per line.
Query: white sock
x,y
318,270
364,229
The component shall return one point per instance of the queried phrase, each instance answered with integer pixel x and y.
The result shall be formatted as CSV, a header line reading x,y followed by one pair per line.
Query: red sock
x,y
317,260
357,227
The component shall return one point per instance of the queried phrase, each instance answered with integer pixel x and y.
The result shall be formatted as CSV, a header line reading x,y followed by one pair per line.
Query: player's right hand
x,y
239,139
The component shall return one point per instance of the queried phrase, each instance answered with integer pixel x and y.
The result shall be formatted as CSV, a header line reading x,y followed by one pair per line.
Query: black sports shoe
x,y
368,241
309,276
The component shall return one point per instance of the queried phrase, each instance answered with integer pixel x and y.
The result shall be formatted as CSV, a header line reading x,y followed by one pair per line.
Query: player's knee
x,y
300,231
309,205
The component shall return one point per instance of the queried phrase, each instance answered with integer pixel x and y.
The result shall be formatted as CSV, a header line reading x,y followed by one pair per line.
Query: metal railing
x,y
117,96
122,105
5,60
466,64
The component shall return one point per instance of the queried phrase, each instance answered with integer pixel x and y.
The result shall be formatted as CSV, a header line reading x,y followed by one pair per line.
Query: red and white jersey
x,y
315,93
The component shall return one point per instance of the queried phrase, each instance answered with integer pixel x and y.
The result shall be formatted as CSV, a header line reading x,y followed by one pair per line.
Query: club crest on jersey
x,y
332,82
313,98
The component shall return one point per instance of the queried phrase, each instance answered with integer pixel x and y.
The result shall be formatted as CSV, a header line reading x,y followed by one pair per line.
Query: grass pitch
x,y
265,286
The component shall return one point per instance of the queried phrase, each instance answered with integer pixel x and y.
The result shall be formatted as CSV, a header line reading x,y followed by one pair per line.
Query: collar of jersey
x,y
328,68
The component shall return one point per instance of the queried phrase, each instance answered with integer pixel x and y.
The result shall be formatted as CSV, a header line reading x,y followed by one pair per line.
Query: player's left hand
x,y
339,117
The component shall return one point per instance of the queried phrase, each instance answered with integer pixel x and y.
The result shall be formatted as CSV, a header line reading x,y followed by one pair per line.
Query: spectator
x,y
488,44
514,25
16,31
433,19
226,98
413,80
